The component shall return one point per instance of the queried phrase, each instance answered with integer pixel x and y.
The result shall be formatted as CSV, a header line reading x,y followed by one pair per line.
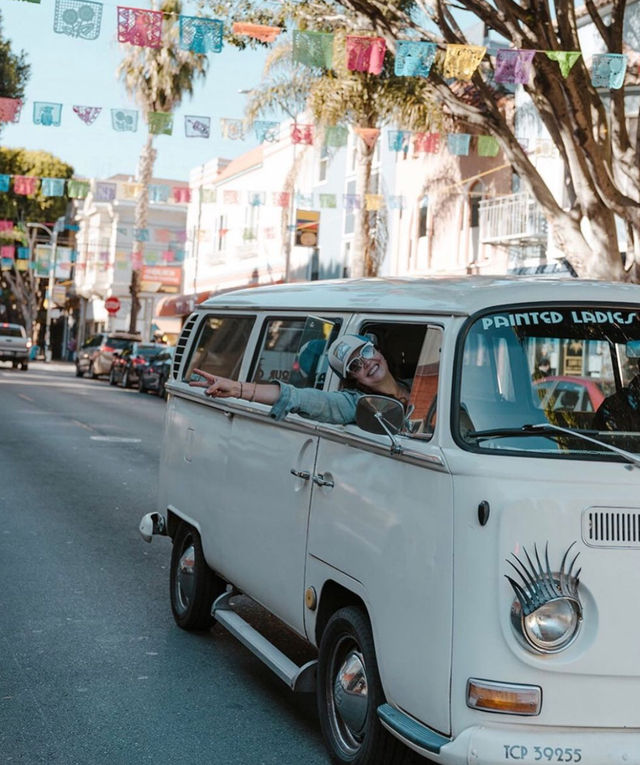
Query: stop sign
x,y
112,304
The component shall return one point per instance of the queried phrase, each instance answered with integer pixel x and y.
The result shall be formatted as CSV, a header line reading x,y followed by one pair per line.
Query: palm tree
x,y
341,96
157,79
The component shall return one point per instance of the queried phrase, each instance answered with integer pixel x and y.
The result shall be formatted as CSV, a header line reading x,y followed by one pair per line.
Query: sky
x,y
74,71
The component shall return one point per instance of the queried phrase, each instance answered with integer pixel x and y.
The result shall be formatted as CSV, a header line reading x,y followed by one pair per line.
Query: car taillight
x,y
138,360
108,348
29,343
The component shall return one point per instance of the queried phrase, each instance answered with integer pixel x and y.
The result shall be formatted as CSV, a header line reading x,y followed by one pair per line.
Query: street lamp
x,y
58,226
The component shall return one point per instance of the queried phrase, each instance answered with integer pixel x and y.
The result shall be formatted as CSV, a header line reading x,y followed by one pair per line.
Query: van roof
x,y
451,296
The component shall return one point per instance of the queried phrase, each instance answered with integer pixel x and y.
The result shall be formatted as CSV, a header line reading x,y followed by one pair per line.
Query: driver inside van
x,y
360,365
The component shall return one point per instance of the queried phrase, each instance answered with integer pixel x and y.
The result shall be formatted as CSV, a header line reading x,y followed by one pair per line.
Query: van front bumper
x,y
516,744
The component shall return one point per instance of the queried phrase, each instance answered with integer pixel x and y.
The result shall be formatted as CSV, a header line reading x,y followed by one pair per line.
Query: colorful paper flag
x,y
105,192
140,27
260,32
230,197
461,61
373,202
77,189
266,131
281,198
458,144
351,202
48,114
25,184
209,196
232,129
365,54
137,258
399,140
313,49
304,200
5,181
608,70
52,187
414,58
159,192
181,194
88,114
427,143
197,127
328,200
368,135
256,198
130,191
514,66
302,134
8,252
124,120
6,225
78,18
396,202
488,146
336,135
200,35
160,123
565,58
141,234
10,109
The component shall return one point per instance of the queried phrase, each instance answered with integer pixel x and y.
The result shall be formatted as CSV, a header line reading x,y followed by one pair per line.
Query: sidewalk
x,y
53,366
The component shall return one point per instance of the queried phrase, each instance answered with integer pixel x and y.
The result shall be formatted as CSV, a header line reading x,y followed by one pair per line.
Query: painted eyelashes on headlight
x,y
547,612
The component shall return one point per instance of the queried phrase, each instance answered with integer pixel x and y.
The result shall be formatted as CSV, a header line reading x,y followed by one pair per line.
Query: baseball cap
x,y
341,351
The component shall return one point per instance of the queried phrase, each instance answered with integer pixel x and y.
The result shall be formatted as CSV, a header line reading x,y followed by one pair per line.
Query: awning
x,y
183,305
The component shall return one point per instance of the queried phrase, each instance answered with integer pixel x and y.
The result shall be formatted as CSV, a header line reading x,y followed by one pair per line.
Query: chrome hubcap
x,y
348,695
185,578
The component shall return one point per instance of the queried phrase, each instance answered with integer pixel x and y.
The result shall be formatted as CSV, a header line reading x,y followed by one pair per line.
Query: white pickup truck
x,y
14,345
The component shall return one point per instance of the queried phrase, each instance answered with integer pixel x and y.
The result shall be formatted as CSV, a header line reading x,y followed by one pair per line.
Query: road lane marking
x,y
25,397
117,439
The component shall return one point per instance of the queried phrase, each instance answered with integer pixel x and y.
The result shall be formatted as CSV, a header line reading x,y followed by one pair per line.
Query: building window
x,y
323,164
423,212
349,215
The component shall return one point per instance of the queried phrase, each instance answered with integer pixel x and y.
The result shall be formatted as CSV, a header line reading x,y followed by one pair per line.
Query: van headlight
x,y
546,613
553,626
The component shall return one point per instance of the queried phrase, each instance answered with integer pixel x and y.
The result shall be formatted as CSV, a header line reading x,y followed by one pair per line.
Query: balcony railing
x,y
513,219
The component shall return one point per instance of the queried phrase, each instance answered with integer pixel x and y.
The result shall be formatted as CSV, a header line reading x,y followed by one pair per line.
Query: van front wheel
x,y
194,586
349,693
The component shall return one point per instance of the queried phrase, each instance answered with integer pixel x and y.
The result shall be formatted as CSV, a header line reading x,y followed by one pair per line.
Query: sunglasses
x,y
367,352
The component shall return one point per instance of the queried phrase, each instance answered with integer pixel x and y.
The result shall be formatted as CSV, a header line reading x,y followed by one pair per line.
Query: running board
x,y
301,679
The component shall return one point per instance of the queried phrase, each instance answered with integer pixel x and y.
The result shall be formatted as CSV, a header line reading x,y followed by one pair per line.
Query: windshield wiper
x,y
547,429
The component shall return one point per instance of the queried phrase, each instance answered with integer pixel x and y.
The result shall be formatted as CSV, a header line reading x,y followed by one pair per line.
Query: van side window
x,y
292,350
220,346
413,354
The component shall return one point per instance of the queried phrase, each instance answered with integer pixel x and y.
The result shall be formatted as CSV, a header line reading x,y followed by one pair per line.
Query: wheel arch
x,y
333,597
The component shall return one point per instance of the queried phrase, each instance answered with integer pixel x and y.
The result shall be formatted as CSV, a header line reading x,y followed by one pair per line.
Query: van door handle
x,y
320,480
304,474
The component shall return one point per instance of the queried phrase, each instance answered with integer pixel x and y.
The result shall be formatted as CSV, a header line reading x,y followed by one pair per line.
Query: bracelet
x,y
241,396
253,395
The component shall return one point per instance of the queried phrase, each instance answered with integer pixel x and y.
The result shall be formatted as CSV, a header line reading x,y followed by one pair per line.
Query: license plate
x,y
541,753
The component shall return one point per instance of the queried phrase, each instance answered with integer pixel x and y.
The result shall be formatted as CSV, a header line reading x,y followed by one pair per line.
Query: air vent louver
x,y
611,527
182,344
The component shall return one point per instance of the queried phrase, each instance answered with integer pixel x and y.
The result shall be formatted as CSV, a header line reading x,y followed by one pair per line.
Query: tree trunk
x,y
363,260
24,289
145,173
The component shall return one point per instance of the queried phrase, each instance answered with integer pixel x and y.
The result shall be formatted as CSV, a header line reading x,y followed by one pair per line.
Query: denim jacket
x,y
338,407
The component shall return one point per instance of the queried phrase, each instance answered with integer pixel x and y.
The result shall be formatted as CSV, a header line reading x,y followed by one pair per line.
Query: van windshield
x,y
575,368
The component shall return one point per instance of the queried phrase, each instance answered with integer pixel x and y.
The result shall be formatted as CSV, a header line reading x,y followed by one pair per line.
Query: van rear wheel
x,y
194,586
349,693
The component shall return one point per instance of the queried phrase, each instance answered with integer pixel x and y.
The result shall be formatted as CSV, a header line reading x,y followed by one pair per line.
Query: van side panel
x,y
388,524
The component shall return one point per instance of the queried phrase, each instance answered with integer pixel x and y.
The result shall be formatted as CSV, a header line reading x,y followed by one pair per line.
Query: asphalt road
x,y
92,667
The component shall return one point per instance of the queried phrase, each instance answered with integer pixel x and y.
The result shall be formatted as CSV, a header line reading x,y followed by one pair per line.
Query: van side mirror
x,y
381,415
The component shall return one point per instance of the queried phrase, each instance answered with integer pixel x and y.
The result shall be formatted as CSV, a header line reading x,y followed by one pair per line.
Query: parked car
x,y
154,375
95,354
126,365
14,345
570,394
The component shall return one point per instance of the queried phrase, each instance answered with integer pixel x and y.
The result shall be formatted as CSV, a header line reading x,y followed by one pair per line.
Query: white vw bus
x,y
468,566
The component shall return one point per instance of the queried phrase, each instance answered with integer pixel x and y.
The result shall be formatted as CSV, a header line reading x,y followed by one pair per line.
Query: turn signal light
x,y
504,698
